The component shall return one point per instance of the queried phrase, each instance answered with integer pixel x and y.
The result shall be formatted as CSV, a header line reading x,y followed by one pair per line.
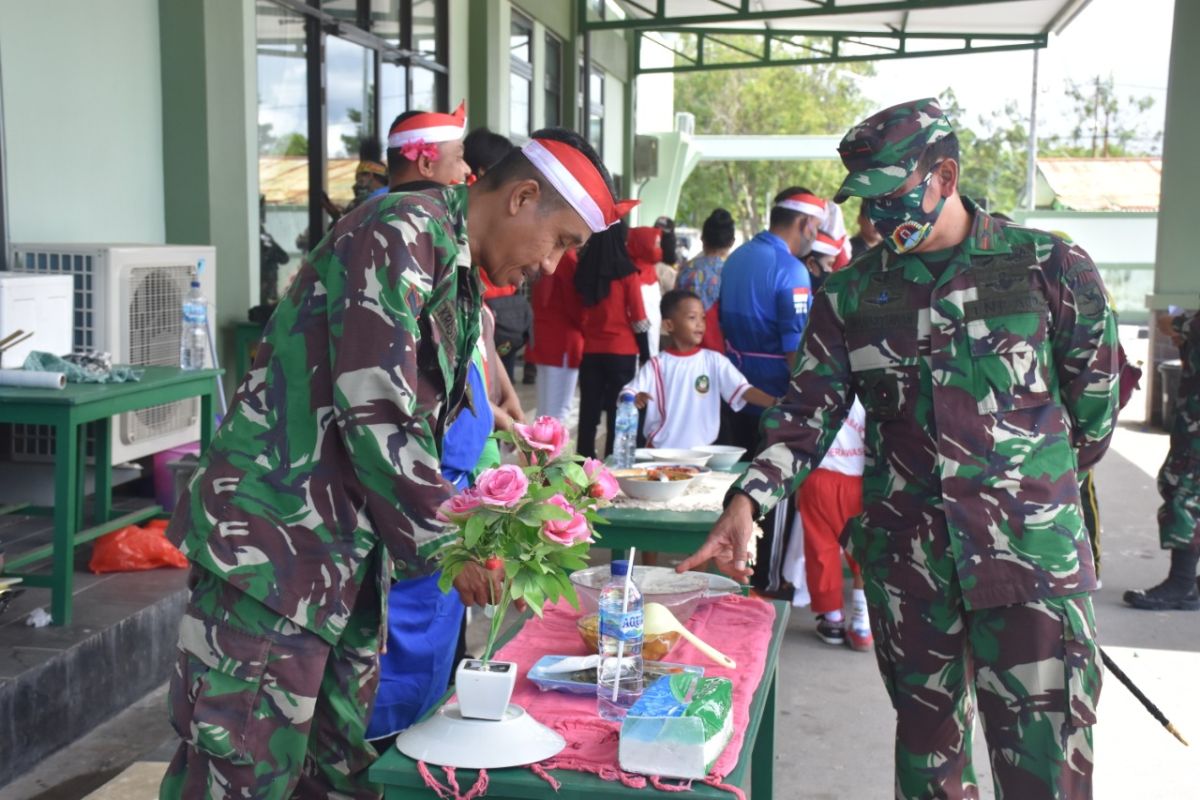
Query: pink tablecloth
x,y
738,626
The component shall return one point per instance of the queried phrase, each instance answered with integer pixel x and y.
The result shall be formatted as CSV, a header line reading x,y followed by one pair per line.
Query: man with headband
x,y
985,356
426,147
323,481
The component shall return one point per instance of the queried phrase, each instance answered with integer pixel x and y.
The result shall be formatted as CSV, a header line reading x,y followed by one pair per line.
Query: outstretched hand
x,y
729,542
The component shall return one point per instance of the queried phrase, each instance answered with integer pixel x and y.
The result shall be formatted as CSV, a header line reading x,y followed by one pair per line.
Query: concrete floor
x,y
834,731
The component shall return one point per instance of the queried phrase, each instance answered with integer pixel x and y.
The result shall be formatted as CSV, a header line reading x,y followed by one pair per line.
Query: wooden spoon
x,y
659,619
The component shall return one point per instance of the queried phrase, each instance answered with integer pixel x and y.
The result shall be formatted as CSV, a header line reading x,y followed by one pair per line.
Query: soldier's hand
x,y
472,584
729,542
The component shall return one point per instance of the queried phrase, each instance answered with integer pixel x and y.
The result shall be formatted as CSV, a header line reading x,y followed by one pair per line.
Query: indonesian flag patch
x,y
800,300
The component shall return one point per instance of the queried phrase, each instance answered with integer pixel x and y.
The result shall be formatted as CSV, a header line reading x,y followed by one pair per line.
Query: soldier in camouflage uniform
x,y
323,481
985,356
1179,480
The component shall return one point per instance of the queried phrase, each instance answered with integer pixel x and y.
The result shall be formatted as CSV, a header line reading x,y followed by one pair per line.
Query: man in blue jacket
x,y
764,301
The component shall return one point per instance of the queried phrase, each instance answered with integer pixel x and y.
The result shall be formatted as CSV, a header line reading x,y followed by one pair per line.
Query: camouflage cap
x,y
883,150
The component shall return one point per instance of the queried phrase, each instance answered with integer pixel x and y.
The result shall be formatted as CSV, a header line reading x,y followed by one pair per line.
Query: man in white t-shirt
x,y
682,387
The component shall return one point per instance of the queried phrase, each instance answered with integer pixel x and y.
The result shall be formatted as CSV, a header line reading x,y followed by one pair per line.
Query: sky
x,y
1129,40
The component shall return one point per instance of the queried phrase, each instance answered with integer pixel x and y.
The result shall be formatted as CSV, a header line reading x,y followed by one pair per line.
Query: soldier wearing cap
x,y
985,356
323,481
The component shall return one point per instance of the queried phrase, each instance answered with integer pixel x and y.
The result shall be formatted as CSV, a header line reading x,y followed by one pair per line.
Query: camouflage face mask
x,y
901,221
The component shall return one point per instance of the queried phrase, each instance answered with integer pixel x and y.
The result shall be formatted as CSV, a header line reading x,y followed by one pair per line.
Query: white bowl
x,y
674,455
722,456
634,483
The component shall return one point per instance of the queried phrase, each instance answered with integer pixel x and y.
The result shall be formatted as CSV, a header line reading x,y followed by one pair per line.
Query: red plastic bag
x,y
131,549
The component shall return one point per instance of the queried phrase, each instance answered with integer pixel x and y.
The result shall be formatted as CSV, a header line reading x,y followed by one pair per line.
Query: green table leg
x,y
762,759
103,502
66,500
80,474
207,403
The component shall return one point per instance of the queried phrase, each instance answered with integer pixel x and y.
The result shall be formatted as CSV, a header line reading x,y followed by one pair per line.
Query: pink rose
x,y
603,484
503,486
545,436
566,531
459,507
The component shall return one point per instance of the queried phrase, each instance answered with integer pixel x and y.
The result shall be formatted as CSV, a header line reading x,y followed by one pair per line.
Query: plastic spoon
x,y
660,620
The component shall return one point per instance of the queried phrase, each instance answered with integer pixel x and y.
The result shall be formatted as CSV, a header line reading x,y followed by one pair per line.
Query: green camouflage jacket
x,y
332,443
986,389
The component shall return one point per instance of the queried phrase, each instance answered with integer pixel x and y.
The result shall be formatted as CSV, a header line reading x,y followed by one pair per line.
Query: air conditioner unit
x,y
128,302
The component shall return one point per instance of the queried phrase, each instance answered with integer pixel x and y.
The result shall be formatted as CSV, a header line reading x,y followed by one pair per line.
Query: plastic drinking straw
x,y
624,611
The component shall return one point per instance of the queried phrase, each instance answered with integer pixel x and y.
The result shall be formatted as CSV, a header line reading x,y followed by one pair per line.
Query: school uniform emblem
x,y
702,384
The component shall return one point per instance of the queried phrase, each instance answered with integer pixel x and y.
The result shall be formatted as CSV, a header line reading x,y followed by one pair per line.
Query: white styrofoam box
x,y
41,304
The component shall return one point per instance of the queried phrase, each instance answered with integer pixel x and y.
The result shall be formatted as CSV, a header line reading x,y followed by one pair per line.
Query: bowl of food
x,y
679,592
722,456
654,481
655,646
674,455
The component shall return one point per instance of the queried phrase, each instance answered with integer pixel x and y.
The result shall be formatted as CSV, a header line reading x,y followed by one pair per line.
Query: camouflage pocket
x,y
885,393
216,684
1009,360
1081,659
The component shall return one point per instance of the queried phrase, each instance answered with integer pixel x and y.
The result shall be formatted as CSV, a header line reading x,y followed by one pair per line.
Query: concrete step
x,y
139,781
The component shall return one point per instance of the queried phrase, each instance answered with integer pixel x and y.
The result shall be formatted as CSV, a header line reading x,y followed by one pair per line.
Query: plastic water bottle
x,y
193,338
625,430
619,675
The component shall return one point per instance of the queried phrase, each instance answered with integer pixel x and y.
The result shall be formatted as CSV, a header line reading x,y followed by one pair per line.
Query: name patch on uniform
x,y
999,305
883,319
800,299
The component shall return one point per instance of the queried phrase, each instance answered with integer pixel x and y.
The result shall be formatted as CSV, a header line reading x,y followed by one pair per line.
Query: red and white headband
x,y
576,178
804,203
430,127
827,245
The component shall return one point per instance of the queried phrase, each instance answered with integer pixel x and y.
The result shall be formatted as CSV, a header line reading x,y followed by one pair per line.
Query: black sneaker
x,y
1167,596
829,632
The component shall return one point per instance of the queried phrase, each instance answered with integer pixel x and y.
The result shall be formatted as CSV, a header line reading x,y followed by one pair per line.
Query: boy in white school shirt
x,y
682,387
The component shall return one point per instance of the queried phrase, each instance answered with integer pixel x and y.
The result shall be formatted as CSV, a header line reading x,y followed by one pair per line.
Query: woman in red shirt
x,y
557,343
645,251
610,293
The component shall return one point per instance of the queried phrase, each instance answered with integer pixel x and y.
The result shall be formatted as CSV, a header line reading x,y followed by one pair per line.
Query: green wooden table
x,y
756,761
70,412
658,531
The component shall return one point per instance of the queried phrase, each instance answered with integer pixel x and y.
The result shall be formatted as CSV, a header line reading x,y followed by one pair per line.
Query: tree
x,y
1115,127
293,144
266,138
818,99
994,153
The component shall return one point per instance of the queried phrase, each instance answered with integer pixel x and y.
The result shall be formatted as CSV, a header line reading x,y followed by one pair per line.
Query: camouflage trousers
x,y
265,708
1032,670
1179,487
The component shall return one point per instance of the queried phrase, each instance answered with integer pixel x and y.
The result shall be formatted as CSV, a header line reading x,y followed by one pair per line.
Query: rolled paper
x,y
28,379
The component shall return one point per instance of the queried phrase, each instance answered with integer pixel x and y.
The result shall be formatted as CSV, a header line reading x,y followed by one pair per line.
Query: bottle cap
x,y
620,567
628,395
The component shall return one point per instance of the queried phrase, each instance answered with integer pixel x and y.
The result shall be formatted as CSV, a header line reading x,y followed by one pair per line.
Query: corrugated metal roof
x,y
1104,184
284,179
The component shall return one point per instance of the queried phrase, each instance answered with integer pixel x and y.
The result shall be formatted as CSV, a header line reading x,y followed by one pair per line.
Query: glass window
x,y
393,96
520,81
346,10
282,137
424,95
428,21
553,79
385,20
595,128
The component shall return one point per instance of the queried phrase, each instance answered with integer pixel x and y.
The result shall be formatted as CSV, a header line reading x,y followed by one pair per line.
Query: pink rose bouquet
x,y
536,521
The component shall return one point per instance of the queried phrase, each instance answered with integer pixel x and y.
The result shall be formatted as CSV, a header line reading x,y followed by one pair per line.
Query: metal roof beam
x,y
813,8
830,47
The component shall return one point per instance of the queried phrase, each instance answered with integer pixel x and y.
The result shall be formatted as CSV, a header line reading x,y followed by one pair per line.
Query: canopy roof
x,y
734,34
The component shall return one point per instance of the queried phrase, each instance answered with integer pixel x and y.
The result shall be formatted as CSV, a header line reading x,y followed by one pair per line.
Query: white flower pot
x,y
484,693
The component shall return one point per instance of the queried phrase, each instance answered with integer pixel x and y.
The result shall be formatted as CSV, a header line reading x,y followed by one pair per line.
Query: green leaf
x,y
549,511
575,474
473,530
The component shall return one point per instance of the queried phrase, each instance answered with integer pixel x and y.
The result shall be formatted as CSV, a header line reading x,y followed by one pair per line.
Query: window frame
x,y
319,25
552,42
523,70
